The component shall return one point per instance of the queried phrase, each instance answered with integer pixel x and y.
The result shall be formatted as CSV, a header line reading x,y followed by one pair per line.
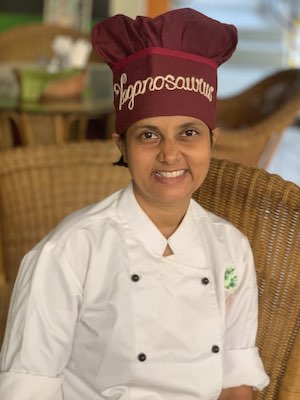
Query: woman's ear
x,y
215,135
120,142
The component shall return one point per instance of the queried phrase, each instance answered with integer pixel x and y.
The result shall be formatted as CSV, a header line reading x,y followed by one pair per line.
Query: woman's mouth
x,y
170,174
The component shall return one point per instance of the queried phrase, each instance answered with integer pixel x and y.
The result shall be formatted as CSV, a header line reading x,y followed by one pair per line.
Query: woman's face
x,y
168,158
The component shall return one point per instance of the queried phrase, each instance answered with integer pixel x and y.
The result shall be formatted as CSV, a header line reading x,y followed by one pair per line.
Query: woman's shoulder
x,y
218,224
85,219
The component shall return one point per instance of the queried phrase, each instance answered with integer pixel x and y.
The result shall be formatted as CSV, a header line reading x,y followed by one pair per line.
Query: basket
x,y
37,84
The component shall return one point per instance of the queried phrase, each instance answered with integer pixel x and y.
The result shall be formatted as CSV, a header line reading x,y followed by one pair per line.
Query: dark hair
x,y
211,135
122,163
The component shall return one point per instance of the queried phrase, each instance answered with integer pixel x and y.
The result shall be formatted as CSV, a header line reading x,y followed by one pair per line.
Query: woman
x,y
144,295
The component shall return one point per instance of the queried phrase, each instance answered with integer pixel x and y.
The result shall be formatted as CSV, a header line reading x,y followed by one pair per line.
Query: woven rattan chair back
x,y
32,42
253,121
267,209
40,185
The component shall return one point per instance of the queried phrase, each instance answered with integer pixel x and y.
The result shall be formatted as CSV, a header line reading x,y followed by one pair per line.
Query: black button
x,y
215,349
205,281
135,278
142,357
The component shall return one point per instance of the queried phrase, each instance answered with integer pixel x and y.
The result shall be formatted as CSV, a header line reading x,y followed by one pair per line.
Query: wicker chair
x,y
32,42
38,186
267,209
7,119
252,122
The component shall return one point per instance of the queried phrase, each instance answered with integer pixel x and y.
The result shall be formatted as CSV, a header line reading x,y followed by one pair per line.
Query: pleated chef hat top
x,y
165,65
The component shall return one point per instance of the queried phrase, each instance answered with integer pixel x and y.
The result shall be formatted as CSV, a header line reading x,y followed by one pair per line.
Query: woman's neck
x,y
166,218
167,223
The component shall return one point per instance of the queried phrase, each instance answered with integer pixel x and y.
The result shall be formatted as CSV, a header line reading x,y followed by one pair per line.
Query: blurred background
x,y
269,41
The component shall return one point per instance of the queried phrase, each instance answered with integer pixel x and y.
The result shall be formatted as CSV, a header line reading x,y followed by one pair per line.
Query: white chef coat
x,y
98,313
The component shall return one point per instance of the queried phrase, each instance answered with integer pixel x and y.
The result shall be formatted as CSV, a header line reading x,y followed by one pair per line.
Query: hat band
x,y
156,85
150,51
126,94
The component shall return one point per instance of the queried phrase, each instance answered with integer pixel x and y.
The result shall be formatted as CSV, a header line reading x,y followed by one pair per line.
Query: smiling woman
x,y
155,297
168,158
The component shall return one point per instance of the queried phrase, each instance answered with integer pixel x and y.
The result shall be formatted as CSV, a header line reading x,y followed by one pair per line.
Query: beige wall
x,y
131,8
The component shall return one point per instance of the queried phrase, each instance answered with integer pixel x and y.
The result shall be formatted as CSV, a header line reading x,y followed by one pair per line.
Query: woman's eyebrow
x,y
151,127
191,125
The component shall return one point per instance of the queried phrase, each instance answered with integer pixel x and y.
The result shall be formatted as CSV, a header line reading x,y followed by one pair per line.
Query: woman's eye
x,y
149,135
189,133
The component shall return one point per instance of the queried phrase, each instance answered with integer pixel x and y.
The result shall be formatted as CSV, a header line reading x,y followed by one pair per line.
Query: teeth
x,y
172,174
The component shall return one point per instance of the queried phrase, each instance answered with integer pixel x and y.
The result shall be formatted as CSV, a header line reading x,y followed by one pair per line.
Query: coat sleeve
x,y
40,328
242,363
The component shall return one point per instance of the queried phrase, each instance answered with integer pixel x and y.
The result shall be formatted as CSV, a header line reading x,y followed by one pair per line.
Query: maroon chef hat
x,y
165,65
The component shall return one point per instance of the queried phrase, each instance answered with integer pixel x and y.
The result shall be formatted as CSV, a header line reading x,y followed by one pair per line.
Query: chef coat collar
x,y
185,241
139,222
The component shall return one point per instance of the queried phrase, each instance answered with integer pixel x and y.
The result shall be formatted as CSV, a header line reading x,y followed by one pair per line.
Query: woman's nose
x,y
169,151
